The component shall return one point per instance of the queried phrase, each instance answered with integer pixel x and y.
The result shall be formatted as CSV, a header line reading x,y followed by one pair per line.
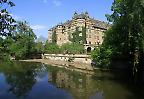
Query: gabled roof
x,y
100,24
96,23
80,16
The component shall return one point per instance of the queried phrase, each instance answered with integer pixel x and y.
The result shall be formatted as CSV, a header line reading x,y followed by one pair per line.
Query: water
x,y
22,80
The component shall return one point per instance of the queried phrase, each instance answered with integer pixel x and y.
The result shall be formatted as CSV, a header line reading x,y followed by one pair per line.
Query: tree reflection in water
x,y
21,77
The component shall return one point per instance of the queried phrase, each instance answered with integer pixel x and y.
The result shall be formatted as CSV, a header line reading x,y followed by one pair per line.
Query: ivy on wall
x,y
78,36
54,37
84,35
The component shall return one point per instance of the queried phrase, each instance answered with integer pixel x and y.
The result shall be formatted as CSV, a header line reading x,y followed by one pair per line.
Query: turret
x,y
74,15
86,14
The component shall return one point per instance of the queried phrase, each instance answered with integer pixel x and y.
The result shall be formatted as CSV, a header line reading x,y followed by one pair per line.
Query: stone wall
x,y
78,58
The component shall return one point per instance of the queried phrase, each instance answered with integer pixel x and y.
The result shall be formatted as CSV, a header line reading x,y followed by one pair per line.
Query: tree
x,y
39,44
102,56
84,35
73,48
7,23
23,41
52,48
7,26
1,48
39,47
54,37
126,36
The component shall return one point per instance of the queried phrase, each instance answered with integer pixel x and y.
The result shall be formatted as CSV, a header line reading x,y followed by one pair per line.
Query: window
x,y
80,28
63,30
80,34
89,42
98,43
86,35
89,36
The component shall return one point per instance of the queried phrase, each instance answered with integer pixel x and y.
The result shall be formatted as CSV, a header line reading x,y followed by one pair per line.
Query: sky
x,y
41,15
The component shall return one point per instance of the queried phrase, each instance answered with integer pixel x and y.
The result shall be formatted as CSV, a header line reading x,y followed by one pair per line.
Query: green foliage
x,y
126,36
67,48
74,48
16,38
7,26
102,56
51,48
39,47
23,43
54,37
1,44
84,35
4,49
7,23
78,36
75,36
124,41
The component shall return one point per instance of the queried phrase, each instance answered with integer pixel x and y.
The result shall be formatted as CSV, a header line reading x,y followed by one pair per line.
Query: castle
x,y
94,30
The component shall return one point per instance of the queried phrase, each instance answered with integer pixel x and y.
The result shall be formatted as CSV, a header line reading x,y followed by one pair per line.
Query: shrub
x,y
102,56
73,48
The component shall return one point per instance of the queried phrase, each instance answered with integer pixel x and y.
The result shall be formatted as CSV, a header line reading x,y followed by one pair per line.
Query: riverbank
x,y
69,65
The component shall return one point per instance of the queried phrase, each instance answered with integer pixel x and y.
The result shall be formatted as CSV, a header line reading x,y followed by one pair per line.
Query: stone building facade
x,y
94,30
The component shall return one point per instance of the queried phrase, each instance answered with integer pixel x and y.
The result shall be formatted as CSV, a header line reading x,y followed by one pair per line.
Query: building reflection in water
x,y
81,86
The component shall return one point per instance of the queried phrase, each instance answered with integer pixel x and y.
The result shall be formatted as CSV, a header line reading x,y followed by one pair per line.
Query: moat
x,y
22,80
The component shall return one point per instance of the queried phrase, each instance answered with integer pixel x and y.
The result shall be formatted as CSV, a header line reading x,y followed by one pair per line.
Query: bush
x,y
52,48
4,57
102,56
73,48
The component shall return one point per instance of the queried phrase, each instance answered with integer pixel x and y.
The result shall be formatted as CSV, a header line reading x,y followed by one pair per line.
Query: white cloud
x,y
57,3
44,1
38,27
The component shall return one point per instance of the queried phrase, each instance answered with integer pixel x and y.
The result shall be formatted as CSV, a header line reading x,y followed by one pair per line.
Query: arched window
x,y
88,49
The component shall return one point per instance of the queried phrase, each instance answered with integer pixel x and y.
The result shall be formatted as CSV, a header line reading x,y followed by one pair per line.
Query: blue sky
x,y
43,14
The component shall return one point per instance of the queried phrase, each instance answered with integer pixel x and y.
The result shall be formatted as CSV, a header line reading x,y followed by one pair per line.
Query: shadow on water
x,y
124,78
114,84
